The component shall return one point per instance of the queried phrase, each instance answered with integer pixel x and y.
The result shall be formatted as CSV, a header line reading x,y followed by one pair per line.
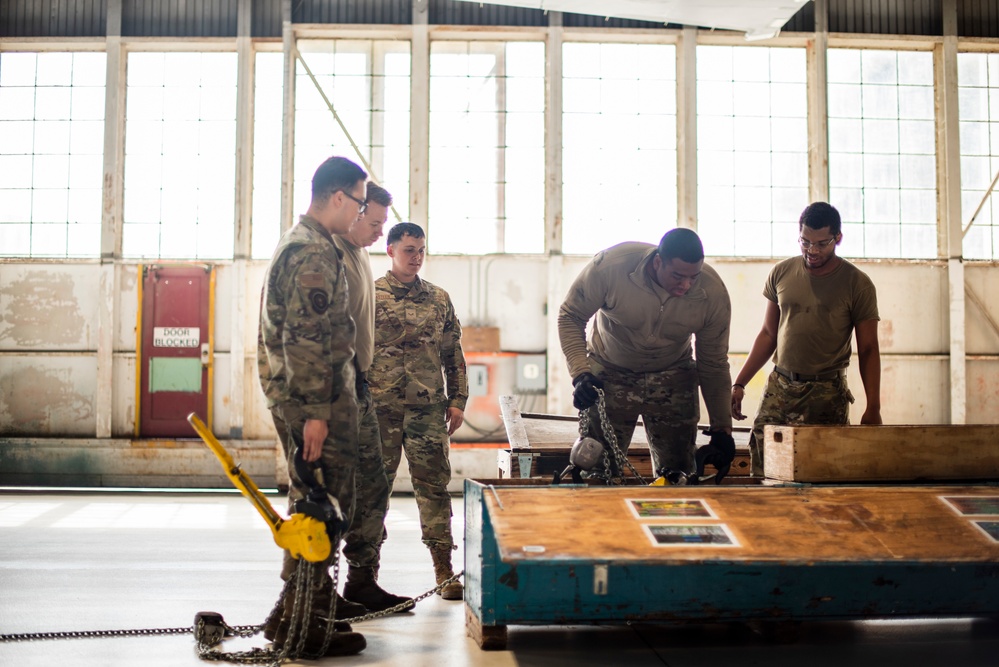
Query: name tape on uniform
x,y
176,336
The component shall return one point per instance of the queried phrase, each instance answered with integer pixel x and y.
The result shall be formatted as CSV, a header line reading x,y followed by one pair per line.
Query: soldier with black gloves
x,y
648,303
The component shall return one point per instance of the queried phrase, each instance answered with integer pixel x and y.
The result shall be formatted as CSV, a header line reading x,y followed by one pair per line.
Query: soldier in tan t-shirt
x,y
362,543
815,303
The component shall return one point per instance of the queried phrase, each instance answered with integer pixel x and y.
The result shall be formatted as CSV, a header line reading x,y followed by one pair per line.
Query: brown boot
x,y
362,588
441,555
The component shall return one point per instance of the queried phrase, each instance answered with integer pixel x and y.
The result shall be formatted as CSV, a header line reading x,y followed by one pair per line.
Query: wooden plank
x,y
782,525
881,453
516,432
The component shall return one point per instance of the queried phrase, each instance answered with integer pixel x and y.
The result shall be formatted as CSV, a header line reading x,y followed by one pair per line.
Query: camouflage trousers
x,y
668,404
337,462
786,403
362,543
420,432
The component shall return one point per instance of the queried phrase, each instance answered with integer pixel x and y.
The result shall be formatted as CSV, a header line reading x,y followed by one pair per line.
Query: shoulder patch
x,y
311,280
319,300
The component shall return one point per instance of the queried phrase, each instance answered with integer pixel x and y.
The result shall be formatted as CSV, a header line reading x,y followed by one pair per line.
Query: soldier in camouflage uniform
x,y
648,302
363,539
814,304
417,351
305,358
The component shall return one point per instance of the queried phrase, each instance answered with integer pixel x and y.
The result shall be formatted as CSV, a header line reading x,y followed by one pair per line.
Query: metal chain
x,y
85,634
610,437
302,580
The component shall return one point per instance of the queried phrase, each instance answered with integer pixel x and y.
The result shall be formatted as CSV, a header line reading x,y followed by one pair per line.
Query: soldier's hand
x,y
584,393
738,393
314,435
363,392
454,418
871,416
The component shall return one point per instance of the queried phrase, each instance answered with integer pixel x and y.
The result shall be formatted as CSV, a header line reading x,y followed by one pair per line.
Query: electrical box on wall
x,y
532,375
478,379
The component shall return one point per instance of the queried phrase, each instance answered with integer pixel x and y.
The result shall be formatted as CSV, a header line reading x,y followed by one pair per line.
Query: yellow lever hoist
x,y
304,535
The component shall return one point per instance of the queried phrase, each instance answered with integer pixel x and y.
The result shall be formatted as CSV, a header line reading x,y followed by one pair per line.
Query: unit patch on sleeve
x,y
320,301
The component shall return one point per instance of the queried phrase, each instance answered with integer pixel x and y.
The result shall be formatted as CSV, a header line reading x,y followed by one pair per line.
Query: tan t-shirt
x,y
639,327
818,314
361,294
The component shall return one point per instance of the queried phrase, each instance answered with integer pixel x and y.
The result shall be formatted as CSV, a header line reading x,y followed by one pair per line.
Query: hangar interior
x,y
148,142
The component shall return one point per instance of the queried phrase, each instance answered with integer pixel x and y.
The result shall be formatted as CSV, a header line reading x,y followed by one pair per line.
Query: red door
x,y
176,349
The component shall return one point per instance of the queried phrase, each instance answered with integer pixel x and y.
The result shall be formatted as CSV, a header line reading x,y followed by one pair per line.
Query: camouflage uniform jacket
x,y
305,343
417,334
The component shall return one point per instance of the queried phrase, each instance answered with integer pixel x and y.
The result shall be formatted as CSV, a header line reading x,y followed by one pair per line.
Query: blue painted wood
x,y
548,592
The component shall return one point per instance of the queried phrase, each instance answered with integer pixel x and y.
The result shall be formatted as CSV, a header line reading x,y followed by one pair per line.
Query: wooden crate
x,y
881,453
543,555
480,339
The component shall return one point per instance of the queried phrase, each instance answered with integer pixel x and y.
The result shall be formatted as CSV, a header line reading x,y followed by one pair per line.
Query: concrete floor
x,y
72,561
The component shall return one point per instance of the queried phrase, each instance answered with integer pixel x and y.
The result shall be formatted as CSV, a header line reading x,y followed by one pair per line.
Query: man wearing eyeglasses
x,y
305,359
814,304
647,302
362,542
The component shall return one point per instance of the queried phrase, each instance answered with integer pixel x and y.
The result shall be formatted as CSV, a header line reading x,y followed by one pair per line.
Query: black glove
x,y
719,452
584,394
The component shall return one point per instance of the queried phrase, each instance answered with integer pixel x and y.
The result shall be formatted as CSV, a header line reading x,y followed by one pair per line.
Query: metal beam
x,y
243,214
288,115
553,137
818,106
419,119
686,130
951,236
111,219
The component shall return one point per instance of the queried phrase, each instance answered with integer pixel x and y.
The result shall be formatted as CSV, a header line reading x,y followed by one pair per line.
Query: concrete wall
x,y
49,323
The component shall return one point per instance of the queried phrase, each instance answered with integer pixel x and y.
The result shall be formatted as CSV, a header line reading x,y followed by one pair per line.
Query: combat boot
x,y
276,625
342,642
344,608
362,587
441,555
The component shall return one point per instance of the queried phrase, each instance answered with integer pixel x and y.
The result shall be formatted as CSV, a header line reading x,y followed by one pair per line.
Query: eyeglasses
x,y
362,205
821,245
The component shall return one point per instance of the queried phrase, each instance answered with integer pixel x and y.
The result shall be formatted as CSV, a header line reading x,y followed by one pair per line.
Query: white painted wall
x,y
49,311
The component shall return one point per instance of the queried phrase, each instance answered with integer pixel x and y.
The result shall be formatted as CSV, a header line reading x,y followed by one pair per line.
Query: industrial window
x,y
367,84
180,155
882,160
487,150
268,108
752,149
618,144
978,94
51,154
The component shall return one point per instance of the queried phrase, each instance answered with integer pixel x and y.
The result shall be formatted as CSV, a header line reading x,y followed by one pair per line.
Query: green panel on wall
x,y
174,374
